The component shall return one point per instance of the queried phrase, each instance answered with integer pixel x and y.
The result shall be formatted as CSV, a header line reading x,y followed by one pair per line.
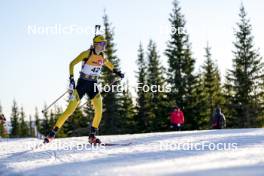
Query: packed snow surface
x,y
213,152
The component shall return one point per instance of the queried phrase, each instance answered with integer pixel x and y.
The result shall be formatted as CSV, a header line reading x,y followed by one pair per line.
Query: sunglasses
x,y
101,44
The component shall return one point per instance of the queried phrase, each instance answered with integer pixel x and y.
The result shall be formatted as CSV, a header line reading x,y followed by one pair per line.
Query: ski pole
x,y
112,83
97,28
45,110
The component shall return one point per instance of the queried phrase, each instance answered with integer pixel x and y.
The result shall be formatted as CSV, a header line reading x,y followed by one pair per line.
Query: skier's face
x,y
100,46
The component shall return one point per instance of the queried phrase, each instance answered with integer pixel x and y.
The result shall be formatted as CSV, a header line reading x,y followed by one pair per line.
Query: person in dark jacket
x,y
219,121
176,119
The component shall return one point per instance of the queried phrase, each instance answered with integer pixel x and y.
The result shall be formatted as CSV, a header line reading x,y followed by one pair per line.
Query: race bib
x,y
91,70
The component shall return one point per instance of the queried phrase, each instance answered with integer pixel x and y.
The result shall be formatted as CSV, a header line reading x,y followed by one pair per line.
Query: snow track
x,y
241,153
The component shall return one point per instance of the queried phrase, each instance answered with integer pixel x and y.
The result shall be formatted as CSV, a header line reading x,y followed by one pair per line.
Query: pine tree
x,y
141,106
181,66
15,132
211,84
245,80
111,101
127,112
24,129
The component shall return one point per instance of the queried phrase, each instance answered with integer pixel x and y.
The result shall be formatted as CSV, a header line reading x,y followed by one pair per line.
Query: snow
x,y
240,152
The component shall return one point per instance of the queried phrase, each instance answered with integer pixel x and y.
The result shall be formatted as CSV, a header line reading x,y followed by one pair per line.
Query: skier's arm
x,y
77,60
109,64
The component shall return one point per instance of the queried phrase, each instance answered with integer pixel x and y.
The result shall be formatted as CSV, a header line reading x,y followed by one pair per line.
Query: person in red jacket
x,y
177,119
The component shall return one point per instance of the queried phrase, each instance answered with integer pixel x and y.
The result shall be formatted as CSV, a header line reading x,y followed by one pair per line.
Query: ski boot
x,y
92,139
51,135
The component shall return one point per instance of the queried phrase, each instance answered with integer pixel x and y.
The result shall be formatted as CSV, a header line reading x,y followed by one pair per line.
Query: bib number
x,y
96,69
91,70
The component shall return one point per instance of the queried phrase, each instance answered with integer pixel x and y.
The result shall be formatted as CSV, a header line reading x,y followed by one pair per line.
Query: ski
x,y
116,144
104,144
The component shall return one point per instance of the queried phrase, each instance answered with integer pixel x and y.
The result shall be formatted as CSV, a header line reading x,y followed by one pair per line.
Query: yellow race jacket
x,y
92,63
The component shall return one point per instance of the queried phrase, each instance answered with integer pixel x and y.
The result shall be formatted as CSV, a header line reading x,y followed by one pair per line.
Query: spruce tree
x,y
15,131
45,126
245,80
142,104
72,125
24,129
31,127
201,115
52,118
2,128
156,115
37,120
181,66
111,101
88,114
127,112
211,83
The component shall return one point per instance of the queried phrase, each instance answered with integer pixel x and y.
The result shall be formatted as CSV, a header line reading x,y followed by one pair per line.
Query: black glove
x,y
72,83
118,73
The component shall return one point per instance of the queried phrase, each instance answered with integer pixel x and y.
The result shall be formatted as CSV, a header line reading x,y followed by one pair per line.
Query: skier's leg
x,y
78,93
77,96
97,105
69,110
96,101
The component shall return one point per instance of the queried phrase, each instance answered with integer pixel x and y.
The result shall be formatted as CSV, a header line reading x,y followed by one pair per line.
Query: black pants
x,y
88,87
176,127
